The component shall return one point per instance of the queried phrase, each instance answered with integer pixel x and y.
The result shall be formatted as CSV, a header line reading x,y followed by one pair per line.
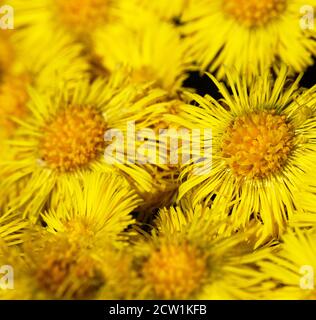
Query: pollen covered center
x,y
254,13
81,14
175,271
63,273
73,139
258,144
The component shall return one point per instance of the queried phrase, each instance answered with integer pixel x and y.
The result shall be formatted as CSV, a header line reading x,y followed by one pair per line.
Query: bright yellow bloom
x,y
19,69
79,252
63,268
46,21
263,150
249,35
58,57
154,52
92,209
64,136
189,258
42,58
71,15
54,266
290,270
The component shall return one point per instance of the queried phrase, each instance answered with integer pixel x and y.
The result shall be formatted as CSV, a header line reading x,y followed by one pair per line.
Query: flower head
x,y
249,35
65,135
152,53
93,208
53,266
263,149
189,257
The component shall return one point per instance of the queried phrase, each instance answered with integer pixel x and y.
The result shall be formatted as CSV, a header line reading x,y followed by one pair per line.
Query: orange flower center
x,y
63,272
83,15
73,139
258,144
175,271
254,13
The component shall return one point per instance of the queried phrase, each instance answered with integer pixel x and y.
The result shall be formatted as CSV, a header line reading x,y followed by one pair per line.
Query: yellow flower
x,y
41,20
64,136
54,266
63,268
249,35
290,270
263,147
71,15
52,59
93,208
79,251
43,58
154,52
188,257
19,70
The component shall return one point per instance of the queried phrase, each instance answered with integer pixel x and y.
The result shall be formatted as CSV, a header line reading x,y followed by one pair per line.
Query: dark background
x,y
204,85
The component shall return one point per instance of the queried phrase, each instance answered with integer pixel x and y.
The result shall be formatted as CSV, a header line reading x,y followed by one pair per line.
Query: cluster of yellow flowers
x,y
235,218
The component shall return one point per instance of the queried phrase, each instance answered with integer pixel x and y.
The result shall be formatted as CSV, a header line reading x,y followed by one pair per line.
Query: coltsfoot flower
x,y
188,257
263,150
250,35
